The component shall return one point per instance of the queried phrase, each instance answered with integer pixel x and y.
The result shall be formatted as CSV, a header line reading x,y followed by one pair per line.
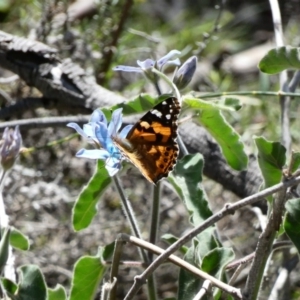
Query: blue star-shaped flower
x,y
146,65
99,132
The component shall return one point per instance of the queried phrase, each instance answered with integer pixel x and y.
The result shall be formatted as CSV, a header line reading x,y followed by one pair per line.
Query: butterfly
x,y
151,143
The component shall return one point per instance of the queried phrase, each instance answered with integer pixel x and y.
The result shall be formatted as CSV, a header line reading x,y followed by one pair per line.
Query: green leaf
x,y
85,207
291,221
18,240
88,272
271,159
186,179
4,247
107,251
9,286
233,102
211,118
206,242
296,161
32,284
279,59
216,260
142,103
229,104
189,284
58,293
171,239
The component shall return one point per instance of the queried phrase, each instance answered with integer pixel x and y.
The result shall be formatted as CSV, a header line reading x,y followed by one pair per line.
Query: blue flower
x,y
99,132
147,65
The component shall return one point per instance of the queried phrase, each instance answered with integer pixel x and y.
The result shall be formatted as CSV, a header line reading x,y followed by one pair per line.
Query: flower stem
x,y
169,82
154,217
130,215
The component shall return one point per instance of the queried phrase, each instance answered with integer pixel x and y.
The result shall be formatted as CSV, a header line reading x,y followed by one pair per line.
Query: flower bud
x,y
9,147
185,73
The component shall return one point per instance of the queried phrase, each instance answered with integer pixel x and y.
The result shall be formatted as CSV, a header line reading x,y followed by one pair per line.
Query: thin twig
x,y
264,247
228,209
206,286
181,263
109,53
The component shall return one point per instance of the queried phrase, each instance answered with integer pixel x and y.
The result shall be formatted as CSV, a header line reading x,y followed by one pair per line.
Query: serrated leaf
x,y
84,209
87,274
279,59
291,221
211,118
186,179
58,293
271,159
32,284
18,240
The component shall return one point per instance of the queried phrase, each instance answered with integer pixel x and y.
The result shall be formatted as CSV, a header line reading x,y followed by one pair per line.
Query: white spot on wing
x,y
157,113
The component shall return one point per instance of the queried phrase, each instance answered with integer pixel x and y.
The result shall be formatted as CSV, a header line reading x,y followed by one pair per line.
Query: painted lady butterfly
x,y
151,143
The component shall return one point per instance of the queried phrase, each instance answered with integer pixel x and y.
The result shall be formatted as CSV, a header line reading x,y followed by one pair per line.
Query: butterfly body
x,y
151,143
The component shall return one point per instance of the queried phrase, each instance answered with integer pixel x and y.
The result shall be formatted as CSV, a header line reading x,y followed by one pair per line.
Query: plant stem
x,y
129,215
135,229
154,216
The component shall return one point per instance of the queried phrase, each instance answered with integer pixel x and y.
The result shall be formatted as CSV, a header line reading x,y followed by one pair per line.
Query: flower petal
x,y
115,123
78,129
124,131
98,116
127,69
162,61
93,154
146,64
113,165
101,134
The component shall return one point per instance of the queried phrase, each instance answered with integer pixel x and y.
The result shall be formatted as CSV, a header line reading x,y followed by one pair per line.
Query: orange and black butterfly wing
x,y
152,145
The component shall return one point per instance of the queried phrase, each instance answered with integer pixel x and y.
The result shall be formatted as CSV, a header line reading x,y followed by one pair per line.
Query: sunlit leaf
x,y
85,207
87,274
18,240
58,293
186,179
279,59
211,118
